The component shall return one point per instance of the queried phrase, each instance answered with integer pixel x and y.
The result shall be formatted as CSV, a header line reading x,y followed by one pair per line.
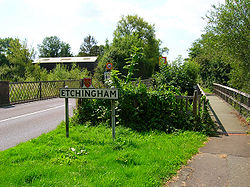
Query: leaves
x,y
53,47
223,51
89,47
132,32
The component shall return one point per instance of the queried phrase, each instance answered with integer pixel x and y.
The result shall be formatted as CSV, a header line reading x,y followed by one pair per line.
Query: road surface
x,y
22,122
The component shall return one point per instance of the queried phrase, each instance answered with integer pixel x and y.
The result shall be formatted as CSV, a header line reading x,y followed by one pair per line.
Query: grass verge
x,y
89,157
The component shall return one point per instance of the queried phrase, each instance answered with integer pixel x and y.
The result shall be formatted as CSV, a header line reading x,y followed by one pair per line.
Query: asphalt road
x,y
22,122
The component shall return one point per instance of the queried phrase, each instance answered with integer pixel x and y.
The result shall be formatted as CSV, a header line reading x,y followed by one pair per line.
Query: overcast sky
x,y
177,22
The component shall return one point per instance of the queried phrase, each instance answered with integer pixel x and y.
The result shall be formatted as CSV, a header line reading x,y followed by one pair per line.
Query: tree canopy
x,y
53,47
133,31
223,51
89,47
16,58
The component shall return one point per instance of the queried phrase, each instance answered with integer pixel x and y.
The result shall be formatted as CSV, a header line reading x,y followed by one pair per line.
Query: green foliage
x,y
132,31
135,58
89,47
5,50
16,64
223,51
53,47
180,75
90,157
213,67
144,109
17,60
62,73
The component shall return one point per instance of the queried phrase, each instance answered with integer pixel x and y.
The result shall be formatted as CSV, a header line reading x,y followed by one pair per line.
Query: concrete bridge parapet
x,y
4,93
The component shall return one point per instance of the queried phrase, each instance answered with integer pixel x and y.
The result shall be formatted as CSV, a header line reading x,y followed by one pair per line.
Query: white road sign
x,y
88,93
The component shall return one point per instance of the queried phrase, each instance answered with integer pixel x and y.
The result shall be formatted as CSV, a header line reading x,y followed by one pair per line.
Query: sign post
x,y
113,117
89,93
67,115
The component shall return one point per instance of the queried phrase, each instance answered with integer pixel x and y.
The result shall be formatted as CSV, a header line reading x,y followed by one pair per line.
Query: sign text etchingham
x,y
88,93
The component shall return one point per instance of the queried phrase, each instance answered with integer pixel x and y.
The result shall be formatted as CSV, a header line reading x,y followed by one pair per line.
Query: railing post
x,y
40,90
195,102
199,104
248,104
4,93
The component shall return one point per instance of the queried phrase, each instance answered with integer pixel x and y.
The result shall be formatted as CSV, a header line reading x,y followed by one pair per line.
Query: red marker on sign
x,y
87,82
109,66
162,60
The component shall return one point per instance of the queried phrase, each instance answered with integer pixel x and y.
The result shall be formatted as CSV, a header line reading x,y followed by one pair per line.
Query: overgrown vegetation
x,y
182,76
144,109
223,51
90,157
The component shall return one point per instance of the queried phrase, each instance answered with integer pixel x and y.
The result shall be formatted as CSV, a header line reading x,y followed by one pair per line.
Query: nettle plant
x,y
138,107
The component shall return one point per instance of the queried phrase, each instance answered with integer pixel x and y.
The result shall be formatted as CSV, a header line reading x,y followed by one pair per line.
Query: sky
x,y
178,23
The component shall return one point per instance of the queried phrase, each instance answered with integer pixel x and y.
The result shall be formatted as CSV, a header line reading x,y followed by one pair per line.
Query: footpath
x,y
225,159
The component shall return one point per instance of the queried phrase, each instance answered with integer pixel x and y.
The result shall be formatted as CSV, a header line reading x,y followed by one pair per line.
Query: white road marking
x,y
29,114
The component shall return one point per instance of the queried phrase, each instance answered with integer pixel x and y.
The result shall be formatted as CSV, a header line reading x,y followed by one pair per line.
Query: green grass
x,y
207,90
89,157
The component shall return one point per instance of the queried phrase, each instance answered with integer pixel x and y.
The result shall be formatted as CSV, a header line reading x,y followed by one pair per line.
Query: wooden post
x,y
199,104
203,109
113,117
195,103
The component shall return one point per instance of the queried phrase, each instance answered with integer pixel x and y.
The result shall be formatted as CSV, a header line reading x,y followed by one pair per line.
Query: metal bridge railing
x,y
20,92
239,100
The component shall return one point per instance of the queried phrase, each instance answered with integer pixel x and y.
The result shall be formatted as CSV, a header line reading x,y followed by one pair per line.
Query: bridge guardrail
x,y
239,100
20,92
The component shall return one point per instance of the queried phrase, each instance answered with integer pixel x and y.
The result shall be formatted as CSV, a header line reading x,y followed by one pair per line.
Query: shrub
x,y
182,76
142,109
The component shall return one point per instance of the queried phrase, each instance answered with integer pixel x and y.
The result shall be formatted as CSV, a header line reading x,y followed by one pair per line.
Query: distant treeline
x,y
221,55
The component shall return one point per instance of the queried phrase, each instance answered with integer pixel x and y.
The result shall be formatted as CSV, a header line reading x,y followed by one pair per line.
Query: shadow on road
x,y
218,121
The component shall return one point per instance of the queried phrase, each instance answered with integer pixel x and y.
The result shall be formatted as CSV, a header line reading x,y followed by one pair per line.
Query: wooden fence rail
x,y
239,100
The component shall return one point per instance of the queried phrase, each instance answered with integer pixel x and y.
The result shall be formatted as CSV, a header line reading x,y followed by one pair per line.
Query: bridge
x,y
223,161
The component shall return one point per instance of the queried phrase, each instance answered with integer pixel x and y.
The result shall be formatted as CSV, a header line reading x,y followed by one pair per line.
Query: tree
x,y
133,31
19,59
230,24
89,47
65,50
207,53
53,47
5,50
